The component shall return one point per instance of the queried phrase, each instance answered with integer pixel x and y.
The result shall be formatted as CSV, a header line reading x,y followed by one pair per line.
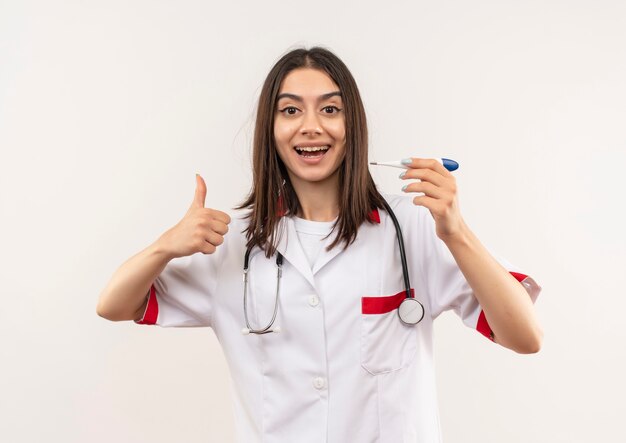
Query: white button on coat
x,y
319,383
382,369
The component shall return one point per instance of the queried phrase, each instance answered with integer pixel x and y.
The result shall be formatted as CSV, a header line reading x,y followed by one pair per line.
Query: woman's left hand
x,y
440,195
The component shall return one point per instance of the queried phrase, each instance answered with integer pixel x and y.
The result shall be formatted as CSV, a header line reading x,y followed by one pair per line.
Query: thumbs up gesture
x,y
200,230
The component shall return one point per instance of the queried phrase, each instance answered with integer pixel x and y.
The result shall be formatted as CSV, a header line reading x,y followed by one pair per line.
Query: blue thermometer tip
x,y
449,164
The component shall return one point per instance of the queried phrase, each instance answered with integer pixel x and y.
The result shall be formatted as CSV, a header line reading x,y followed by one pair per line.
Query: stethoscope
x,y
410,311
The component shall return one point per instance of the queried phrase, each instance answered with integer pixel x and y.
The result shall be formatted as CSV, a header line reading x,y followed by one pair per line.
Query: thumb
x,y
200,196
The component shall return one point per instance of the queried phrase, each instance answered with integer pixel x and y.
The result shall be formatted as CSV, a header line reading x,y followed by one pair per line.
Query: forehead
x,y
308,82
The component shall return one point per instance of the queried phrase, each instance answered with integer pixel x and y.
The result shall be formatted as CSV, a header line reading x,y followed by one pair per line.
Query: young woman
x,y
329,335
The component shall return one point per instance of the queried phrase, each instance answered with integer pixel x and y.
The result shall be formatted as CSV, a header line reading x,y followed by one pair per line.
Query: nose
x,y
310,124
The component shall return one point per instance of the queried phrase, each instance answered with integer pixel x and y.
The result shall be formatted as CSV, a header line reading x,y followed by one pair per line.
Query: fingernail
x,y
406,161
402,174
404,187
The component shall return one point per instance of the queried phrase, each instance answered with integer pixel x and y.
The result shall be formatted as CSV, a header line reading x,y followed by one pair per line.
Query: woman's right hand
x,y
200,230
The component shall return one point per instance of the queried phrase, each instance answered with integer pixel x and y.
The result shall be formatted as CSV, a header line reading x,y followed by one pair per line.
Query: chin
x,y
313,178
319,177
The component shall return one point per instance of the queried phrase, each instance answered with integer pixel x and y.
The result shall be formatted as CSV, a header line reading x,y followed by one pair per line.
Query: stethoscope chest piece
x,y
410,311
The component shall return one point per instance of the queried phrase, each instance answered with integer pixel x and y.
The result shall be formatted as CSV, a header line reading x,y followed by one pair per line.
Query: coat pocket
x,y
387,344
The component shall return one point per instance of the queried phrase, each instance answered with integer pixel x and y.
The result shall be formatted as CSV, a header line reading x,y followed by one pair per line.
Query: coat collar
x,y
289,246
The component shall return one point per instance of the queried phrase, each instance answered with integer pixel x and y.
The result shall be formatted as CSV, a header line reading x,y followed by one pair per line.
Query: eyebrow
x,y
299,99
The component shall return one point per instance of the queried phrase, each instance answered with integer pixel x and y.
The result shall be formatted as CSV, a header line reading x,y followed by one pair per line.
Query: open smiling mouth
x,y
312,151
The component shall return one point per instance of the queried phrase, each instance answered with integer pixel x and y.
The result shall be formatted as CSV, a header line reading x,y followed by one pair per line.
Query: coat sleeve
x,y
443,283
181,296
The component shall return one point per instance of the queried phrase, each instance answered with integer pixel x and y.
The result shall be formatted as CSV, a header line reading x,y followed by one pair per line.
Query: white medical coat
x,y
344,368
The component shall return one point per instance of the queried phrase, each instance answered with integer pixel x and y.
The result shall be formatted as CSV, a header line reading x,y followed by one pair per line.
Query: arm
x,y
125,296
506,304
200,230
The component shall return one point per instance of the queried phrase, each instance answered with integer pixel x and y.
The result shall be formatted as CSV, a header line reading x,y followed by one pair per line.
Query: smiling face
x,y
309,127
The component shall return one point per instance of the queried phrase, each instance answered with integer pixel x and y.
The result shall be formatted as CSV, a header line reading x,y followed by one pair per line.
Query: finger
x,y
427,188
218,226
200,195
425,201
207,248
214,238
429,163
424,174
220,216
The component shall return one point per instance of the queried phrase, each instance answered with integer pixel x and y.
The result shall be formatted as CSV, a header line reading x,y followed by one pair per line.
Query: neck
x,y
319,201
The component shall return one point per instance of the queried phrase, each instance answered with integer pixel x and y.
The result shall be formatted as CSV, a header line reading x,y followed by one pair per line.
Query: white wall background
x,y
107,109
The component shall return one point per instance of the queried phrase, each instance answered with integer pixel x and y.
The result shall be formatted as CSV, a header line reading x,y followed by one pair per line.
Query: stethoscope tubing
x,y
408,301
279,272
405,268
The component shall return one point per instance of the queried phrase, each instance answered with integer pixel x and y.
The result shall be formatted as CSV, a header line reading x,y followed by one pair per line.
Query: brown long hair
x,y
272,195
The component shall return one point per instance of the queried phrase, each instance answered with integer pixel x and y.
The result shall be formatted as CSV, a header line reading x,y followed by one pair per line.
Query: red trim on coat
x,y
383,304
281,210
375,216
483,325
152,309
518,276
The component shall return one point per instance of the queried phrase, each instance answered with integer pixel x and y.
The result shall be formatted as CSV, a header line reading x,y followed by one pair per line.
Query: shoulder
x,y
397,201
236,234
404,208
412,218
238,221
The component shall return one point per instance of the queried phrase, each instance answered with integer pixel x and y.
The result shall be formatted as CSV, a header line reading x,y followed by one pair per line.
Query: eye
x,y
331,109
289,110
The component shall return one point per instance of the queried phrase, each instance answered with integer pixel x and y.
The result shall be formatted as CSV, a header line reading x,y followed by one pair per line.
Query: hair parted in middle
x,y
272,195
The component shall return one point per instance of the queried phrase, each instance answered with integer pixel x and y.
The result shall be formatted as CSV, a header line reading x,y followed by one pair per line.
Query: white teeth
x,y
313,148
